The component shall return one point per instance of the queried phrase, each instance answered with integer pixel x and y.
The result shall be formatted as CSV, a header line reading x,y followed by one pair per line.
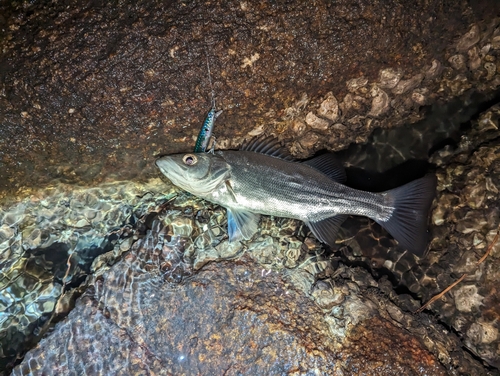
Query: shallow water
x,y
51,241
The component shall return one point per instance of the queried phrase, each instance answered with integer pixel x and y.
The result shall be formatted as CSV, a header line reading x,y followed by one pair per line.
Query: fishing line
x,y
210,76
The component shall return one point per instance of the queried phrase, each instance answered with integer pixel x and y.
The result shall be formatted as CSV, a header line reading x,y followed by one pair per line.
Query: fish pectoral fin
x,y
241,224
326,230
329,165
229,188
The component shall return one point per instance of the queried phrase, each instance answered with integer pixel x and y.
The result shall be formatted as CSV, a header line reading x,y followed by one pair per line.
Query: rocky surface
x,y
184,242
468,212
91,93
465,222
151,313
48,243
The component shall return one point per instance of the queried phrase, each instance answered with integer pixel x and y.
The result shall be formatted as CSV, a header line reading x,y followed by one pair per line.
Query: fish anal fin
x,y
329,165
268,145
326,230
241,224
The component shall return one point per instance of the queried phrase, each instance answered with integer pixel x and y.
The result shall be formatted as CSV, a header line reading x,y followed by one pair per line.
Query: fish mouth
x,y
170,169
164,165
178,176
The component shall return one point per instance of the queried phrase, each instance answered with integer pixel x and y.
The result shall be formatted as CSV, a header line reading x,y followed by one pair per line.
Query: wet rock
x,y
309,140
434,70
469,39
355,84
457,62
329,108
474,59
315,122
419,97
467,177
92,94
236,317
491,69
48,243
465,222
389,78
404,86
380,102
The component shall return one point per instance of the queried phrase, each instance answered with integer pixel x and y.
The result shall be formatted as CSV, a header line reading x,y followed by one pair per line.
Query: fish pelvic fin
x,y
241,225
408,222
326,230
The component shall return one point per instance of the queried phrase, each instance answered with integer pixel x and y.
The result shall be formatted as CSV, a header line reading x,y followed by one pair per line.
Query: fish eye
x,y
190,159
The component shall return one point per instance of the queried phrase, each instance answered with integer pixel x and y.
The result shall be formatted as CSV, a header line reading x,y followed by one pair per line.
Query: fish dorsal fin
x,y
329,165
241,224
268,145
326,230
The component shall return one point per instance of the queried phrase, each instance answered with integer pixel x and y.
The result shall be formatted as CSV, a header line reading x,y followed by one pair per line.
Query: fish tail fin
x,y
408,222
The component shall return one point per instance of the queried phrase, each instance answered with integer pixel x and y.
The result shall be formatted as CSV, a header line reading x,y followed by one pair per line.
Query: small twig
x,y
438,296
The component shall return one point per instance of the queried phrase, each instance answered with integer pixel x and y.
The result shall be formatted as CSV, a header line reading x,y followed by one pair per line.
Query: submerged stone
x,y
229,317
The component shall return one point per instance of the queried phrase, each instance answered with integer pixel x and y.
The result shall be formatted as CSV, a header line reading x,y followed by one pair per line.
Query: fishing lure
x,y
208,125
206,130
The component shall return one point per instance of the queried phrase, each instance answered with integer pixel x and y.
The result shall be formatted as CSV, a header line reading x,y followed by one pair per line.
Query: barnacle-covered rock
x,y
329,108
404,86
465,222
466,207
419,96
389,78
434,70
315,122
468,198
469,39
458,62
263,89
380,102
355,84
474,58
309,140
491,70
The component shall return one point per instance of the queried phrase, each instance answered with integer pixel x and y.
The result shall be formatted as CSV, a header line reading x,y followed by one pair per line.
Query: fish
x,y
262,178
206,130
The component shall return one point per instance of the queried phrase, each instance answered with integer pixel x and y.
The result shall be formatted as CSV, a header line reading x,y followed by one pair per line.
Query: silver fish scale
x,y
272,186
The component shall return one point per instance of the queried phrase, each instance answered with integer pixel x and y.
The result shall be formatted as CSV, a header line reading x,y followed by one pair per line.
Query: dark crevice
x,y
443,124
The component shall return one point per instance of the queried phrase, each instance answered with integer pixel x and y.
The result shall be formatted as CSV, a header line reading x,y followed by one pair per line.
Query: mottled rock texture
x,y
465,221
468,212
91,92
237,318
